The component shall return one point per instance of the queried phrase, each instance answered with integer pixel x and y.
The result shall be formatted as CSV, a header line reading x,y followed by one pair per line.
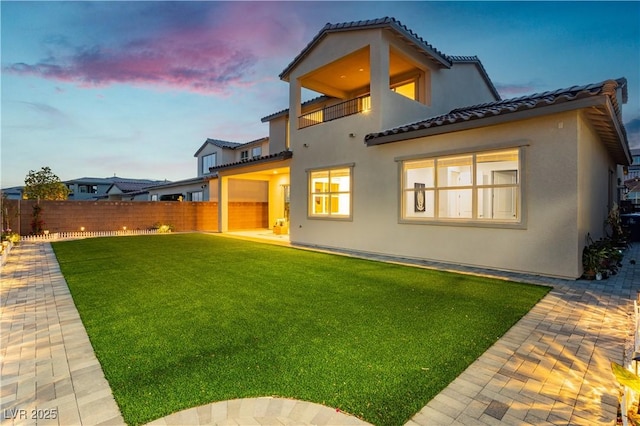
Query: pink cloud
x,y
221,51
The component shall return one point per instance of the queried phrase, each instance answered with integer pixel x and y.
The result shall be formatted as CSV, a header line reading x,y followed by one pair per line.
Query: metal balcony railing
x,y
333,112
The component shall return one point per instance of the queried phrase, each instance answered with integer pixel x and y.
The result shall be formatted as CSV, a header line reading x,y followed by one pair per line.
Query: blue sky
x,y
135,88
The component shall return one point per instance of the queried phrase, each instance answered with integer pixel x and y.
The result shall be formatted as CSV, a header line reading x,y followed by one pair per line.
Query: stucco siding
x,y
278,135
593,183
545,242
460,86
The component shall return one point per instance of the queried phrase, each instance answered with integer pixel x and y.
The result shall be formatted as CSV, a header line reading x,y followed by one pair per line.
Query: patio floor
x,y
552,367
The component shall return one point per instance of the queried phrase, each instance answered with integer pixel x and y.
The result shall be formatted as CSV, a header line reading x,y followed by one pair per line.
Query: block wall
x,y
248,215
69,216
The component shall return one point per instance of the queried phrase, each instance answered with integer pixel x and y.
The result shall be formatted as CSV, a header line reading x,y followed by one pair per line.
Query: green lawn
x,y
183,320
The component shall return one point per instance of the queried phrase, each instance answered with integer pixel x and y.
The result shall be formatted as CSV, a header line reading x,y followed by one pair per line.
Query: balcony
x,y
333,112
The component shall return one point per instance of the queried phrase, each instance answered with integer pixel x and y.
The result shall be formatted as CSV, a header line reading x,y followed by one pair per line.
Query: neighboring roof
x,y
132,185
110,180
182,182
228,145
633,185
438,58
286,111
607,118
282,155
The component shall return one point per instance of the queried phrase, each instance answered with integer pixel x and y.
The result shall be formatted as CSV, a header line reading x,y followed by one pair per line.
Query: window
x,y
330,193
88,189
244,155
194,196
256,152
481,187
208,161
408,89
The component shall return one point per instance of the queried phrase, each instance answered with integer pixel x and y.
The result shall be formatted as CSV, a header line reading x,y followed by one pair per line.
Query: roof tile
x,y
506,106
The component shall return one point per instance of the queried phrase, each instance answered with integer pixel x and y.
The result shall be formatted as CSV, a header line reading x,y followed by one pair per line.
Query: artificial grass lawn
x,y
182,320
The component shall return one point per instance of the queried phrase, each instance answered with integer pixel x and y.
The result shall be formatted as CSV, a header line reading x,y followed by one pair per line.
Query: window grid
x,y
433,192
330,193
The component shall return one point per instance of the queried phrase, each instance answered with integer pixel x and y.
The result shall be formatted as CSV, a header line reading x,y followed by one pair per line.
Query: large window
x,y
330,193
208,161
481,186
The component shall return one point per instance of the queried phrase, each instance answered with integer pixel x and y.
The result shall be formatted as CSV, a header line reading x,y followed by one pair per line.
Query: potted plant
x,y
591,261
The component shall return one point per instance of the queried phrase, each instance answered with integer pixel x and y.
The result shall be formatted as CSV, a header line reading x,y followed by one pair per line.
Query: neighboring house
x,y
211,154
89,188
411,152
632,180
194,189
92,189
131,189
13,193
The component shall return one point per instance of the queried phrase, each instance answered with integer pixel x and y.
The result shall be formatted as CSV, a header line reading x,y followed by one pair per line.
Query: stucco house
x,y
410,152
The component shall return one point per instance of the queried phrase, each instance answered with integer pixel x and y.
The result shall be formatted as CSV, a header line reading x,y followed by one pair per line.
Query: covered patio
x,y
273,172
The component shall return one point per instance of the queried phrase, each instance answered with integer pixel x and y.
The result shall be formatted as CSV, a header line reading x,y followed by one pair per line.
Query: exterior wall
x,y
276,198
596,183
245,190
79,196
546,243
184,189
460,86
223,156
278,134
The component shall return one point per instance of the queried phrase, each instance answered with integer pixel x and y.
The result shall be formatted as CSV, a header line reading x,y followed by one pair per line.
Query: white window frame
x,y
312,194
209,161
433,191
195,196
256,152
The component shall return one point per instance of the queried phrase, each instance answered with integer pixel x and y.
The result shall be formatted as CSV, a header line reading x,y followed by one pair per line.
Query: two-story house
x,y
411,152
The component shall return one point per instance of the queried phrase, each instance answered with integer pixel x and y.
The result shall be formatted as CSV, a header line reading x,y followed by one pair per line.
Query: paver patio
x,y
553,367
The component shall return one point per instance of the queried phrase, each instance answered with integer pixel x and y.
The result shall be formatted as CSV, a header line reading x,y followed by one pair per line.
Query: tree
x,y
44,185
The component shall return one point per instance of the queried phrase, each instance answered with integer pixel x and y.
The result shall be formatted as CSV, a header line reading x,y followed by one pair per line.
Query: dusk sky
x,y
135,88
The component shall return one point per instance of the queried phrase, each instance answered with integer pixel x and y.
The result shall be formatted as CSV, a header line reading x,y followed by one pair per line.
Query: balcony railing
x,y
333,112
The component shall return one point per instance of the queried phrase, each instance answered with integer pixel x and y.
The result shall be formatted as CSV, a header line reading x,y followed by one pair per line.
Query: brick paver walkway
x,y
553,367
50,374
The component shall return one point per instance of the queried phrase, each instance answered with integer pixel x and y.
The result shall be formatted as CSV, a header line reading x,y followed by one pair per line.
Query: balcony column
x,y
379,63
295,104
223,204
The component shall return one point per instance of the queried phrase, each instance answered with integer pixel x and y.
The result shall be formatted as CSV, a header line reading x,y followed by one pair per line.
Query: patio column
x,y
223,204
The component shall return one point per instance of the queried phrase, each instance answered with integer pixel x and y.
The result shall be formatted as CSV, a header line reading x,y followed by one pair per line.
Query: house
x,y
632,180
213,153
90,188
410,152
13,193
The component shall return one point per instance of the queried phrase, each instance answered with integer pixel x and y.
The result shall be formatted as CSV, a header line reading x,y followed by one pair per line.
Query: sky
x,y
133,89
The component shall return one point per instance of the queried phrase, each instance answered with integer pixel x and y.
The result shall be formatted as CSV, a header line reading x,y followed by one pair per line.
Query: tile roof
x,y
286,111
438,58
223,144
130,186
282,155
228,145
611,130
